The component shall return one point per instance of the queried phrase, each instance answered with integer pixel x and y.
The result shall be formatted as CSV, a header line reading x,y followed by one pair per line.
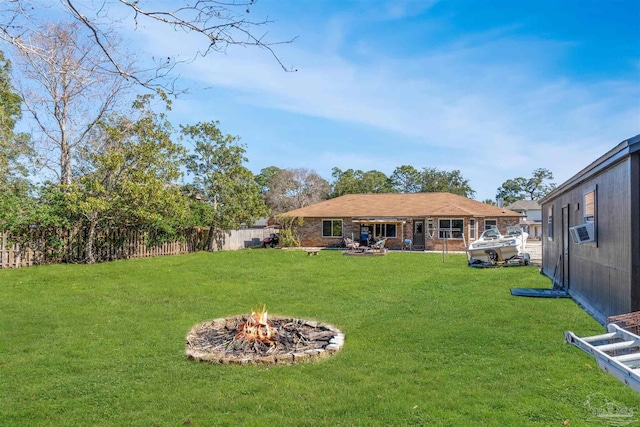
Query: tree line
x,y
288,189
101,152
123,167
92,161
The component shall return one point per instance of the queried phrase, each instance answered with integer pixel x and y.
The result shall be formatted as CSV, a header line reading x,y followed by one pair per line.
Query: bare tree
x,y
295,188
66,85
220,23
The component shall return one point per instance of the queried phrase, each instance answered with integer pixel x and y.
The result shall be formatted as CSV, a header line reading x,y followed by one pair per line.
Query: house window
x,y
490,223
332,228
472,229
590,210
550,223
385,230
589,204
450,228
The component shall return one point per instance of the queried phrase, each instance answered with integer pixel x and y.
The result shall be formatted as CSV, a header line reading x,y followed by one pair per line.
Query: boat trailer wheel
x,y
492,255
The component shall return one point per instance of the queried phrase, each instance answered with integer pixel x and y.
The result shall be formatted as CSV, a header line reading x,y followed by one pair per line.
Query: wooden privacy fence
x,y
53,246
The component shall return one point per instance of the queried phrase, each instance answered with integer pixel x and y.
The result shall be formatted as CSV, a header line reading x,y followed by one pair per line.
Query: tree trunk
x,y
90,243
208,245
65,164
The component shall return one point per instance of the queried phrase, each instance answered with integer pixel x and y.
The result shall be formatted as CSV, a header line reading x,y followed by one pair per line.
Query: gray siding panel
x,y
619,295
600,273
635,231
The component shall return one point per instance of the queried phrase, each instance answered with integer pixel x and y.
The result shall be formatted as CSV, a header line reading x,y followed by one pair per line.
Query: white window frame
x,y
472,228
450,228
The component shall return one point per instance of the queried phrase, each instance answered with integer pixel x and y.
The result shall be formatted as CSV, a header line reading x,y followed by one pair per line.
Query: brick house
x,y
432,221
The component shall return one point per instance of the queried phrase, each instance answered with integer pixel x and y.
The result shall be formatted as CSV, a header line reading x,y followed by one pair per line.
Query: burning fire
x,y
257,327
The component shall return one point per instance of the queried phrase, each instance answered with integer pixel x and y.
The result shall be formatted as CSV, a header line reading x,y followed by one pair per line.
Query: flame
x,y
257,327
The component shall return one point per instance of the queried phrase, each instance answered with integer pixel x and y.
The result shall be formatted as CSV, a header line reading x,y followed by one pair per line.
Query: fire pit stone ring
x,y
292,341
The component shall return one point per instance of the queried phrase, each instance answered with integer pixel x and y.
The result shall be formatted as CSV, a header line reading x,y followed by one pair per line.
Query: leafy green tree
x,y
536,187
23,208
265,175
489,202
359,182
406,179
376,182
345,182
219,174
130,179
521,188
51,207
17,206
511,190
435,180
12,145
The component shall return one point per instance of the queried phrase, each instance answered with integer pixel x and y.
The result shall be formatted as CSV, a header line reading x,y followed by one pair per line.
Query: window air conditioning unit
x,y
582,233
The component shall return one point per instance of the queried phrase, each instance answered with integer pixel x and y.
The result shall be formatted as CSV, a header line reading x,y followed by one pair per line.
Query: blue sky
x,y
494,89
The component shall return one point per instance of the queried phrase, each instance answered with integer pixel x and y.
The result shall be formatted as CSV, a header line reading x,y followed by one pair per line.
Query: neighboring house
x,y
532,223
432,221
259,223
262,222
602,271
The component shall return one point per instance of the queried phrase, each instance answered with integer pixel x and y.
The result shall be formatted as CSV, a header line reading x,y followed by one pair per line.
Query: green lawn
x,y
427,343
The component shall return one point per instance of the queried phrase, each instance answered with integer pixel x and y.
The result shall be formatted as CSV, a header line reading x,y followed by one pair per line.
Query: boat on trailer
x,y
493,248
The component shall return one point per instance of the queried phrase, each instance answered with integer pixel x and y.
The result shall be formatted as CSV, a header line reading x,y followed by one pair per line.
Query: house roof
x,y
400,205
611,157
261,222
527,205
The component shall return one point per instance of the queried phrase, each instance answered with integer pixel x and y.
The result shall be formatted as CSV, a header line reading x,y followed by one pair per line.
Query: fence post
x,y
3,247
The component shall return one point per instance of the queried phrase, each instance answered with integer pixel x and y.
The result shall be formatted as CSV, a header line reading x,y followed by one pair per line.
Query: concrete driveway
x,y
534,249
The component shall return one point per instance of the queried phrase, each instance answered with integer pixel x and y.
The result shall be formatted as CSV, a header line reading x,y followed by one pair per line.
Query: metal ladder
x,y
617,353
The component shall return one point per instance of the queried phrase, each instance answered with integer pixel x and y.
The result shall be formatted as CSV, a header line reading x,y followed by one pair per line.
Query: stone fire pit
x,y
295,341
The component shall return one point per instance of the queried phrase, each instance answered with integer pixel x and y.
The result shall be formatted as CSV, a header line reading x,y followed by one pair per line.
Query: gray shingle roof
x,y
527,205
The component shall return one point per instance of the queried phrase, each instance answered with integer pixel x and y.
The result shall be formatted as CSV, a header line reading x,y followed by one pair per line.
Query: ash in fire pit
x,y
254,339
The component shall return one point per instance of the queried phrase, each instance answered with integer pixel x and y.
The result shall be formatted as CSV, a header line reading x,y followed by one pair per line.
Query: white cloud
x,y
485,101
